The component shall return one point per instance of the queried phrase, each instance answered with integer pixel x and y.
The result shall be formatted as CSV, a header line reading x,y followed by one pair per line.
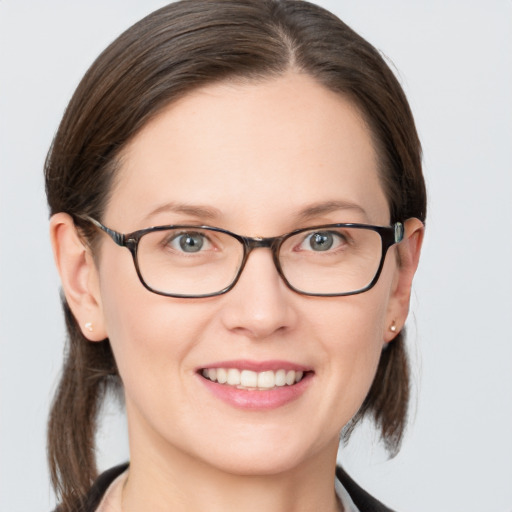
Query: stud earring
x,y
392,327
89,327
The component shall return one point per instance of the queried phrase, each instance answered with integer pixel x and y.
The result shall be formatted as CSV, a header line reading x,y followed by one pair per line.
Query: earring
x,y
392,327
89,327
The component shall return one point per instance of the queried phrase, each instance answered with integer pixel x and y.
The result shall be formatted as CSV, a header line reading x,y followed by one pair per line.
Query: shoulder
x,y
101,485
363,501
99,488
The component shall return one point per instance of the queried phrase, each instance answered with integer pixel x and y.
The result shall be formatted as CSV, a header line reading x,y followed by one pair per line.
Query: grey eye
x,y
321,241
189,242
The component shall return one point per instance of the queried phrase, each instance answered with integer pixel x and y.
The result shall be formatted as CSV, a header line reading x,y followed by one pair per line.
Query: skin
x,y
254,155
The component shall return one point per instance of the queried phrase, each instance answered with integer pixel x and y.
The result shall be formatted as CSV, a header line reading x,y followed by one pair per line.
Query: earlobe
x,y
79,276
409,254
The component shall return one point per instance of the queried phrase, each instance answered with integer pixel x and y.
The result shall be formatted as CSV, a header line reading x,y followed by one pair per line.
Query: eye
x,y
189,242
321,241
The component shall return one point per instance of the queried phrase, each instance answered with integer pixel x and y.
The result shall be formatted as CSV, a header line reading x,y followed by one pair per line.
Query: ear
x,y
79,276
408,258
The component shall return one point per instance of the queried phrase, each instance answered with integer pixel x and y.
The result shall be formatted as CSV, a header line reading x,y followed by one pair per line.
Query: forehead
x,y
253,152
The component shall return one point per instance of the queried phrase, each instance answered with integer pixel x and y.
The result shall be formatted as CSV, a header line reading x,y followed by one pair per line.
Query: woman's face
x,y
257,159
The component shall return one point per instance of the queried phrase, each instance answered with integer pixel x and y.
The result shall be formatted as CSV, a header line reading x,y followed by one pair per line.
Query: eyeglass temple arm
x,y
116,236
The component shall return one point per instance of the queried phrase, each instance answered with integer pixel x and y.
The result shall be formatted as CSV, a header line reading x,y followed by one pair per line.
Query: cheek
x,y
153,339
150,334
352,326
350,333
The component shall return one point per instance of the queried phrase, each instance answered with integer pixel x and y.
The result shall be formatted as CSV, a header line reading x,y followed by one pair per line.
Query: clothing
x,y
361,499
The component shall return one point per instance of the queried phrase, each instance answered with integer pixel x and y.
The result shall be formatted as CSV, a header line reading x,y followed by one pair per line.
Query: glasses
x,y
203,261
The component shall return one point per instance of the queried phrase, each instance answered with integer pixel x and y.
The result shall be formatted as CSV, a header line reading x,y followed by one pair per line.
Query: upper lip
x,y
257,366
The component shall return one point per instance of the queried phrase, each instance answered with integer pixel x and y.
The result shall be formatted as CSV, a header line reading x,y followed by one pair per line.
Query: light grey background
x,y
454,60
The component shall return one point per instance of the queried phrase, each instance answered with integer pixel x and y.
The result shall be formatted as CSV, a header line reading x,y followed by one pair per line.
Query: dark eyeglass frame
x,y
390,235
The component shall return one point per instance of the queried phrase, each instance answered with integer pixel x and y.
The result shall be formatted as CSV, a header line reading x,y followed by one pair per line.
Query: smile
x,y
251,380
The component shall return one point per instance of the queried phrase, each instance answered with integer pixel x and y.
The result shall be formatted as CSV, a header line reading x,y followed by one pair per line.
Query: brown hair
x,y
178,48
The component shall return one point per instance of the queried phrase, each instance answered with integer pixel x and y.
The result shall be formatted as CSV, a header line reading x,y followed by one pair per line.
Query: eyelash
x,y
175,237
339,237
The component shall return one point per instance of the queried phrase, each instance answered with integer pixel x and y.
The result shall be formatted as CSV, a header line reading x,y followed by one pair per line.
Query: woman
x,y
260,163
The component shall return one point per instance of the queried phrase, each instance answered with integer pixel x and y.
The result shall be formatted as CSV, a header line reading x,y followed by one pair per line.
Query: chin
x,y
259,465
262,455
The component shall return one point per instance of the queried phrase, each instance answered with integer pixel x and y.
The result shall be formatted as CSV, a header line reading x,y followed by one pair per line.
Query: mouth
x,y
254,381
256,385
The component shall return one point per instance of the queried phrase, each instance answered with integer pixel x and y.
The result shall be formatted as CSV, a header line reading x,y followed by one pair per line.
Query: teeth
x,y
222,375
266,380
280,377
233,377
247,379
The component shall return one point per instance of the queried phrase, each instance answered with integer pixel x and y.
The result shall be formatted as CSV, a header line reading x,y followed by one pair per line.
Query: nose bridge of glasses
x,y
271,243
258,242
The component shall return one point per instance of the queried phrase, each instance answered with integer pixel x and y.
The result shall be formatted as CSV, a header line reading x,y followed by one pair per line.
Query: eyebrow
x,y
201,211
209,212
317,209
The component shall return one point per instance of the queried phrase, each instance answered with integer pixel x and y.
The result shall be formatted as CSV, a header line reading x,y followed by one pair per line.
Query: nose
x,y
260,304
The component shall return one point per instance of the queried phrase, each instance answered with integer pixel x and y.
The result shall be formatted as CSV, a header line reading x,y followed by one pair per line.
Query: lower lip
x,y
258,400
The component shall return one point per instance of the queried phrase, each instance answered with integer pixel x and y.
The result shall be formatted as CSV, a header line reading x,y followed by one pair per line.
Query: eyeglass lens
x,y
197,261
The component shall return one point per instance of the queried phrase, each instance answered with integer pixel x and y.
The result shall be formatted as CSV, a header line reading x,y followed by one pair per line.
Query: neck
x,y
164,479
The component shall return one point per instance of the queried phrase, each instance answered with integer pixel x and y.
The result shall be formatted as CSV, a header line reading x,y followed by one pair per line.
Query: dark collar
x,y
100,486
363,501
